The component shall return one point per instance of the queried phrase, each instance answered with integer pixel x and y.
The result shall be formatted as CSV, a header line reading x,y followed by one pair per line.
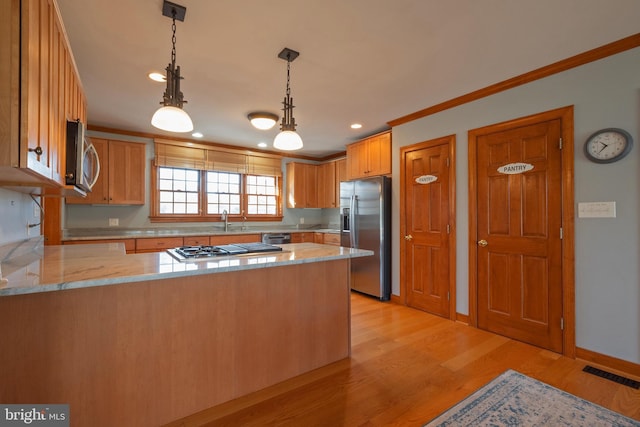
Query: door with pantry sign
x,y
519,232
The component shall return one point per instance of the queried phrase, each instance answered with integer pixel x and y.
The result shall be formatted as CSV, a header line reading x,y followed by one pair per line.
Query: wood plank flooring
x,y
407,367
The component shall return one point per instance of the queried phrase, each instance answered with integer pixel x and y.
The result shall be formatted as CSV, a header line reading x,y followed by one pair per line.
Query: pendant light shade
x,y
288,139
171,117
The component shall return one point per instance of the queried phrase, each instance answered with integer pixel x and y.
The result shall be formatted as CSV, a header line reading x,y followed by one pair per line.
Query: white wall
x,y
605,93
16,211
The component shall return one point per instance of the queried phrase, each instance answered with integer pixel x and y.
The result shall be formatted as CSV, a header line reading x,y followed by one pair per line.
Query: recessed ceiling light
x,y
356,126
157,77
197,135
262,144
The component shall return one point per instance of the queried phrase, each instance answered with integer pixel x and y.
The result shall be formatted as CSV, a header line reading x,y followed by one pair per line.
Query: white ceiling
x,y
366,61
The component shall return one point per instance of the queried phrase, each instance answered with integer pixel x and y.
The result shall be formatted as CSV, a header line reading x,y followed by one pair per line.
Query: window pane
x,y
221,195
176,186
261,191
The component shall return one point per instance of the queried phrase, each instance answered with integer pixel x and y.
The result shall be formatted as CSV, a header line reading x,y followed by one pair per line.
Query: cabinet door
x,y
302,190
327,185
235,238
357,160
311,185
379,155
126,173
341,175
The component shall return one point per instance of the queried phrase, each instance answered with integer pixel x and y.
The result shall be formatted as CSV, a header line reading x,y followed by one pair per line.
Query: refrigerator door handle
x,y
353,235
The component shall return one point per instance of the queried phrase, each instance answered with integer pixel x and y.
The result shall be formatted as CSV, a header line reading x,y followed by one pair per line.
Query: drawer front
x,y
157,244
196,241
332,239
235,238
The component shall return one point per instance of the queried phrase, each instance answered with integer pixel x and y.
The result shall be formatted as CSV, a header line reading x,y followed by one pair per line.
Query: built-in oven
x,y
82,161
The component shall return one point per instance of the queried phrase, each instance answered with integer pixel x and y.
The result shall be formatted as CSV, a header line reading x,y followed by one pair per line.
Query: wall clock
x,y
608,145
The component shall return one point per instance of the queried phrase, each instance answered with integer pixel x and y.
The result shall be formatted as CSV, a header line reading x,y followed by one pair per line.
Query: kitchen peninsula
x,y
144,339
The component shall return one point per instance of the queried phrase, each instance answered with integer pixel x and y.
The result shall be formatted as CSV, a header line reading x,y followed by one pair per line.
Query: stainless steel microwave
x,y
82,161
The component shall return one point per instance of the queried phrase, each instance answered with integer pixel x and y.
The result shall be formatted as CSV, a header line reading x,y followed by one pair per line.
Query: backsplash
x,y
17,210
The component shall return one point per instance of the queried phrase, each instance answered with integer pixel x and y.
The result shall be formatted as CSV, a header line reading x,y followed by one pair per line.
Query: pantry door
x,y
427,252
519,228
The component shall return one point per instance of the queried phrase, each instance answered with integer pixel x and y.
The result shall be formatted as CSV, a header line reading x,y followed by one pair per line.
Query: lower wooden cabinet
x,y
235,238
304,237
129,244
157,244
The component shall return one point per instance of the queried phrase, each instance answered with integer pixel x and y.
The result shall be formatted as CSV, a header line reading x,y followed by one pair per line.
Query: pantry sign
x,y
515,168
426,179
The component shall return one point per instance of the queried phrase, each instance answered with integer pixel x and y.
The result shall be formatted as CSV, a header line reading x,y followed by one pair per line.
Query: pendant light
x,y
171,117
288,139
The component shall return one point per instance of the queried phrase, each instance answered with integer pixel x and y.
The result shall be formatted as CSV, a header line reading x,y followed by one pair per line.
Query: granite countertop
x,y
131,233
29,267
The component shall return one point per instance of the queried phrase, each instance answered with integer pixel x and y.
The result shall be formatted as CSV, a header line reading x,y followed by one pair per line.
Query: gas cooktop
x,y
199,253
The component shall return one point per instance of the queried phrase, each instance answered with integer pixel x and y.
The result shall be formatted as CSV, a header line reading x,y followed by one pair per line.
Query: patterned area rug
x,y
513,399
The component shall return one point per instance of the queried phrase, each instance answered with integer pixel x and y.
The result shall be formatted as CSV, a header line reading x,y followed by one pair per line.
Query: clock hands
x,y
604,146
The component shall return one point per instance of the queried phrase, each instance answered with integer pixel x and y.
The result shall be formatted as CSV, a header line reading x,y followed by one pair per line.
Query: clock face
x,y
608,145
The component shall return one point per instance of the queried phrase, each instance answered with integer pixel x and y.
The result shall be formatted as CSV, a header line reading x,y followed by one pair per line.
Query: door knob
x,y
483,243
408,237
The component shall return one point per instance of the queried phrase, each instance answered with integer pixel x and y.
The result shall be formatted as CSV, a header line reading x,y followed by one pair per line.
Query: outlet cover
x,y
36,211
301,220
114,222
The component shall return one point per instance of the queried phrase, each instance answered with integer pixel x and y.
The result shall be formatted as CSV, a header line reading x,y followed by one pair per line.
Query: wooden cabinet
x,y
39,91
122,174
369,157
157,244
129,244
304,237
302,185
235,238
327,185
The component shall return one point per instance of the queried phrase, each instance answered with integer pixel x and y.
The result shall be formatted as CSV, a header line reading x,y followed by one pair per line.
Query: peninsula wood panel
x,y
151,352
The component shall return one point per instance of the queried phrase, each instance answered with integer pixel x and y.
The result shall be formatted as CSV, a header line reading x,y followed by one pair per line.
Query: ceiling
x,y
365,61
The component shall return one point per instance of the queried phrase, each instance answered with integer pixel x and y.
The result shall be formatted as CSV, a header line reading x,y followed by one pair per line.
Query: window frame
x,y
202,216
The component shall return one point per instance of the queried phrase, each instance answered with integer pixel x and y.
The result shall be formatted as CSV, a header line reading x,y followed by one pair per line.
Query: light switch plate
x,y
597,210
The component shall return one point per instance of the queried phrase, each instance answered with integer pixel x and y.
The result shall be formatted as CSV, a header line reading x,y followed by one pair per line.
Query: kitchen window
x,y
198,183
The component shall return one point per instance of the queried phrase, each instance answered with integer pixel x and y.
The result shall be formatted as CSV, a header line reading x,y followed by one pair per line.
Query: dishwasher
x,y
276,238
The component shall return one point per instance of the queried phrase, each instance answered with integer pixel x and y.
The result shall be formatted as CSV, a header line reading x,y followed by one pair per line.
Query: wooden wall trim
x,y
608,361
592,55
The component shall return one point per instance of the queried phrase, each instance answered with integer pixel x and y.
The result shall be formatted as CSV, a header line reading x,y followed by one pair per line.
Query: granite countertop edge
x,y
87,270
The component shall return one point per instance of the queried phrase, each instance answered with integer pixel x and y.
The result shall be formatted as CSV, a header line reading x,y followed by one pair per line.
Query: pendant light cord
x,y
173,38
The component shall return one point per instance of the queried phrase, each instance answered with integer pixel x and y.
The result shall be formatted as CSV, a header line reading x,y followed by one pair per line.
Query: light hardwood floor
x,y
406,367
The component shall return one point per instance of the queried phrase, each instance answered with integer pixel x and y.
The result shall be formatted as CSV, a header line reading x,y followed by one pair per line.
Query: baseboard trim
x,y
462,318
608,361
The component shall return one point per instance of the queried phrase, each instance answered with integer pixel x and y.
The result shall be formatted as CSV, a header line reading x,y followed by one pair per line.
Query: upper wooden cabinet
x,y
327,185
122,174
39,91
302,185
369,157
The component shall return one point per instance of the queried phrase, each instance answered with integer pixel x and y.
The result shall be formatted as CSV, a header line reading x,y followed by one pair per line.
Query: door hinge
x,y
562,323
447,162
448,296
560,144
561,233
448,229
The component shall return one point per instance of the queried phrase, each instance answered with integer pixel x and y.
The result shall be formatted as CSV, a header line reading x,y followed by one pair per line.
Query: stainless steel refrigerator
x,y
365,218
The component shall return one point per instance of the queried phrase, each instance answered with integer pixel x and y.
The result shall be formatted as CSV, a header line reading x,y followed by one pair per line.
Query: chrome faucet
x,y
225,217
